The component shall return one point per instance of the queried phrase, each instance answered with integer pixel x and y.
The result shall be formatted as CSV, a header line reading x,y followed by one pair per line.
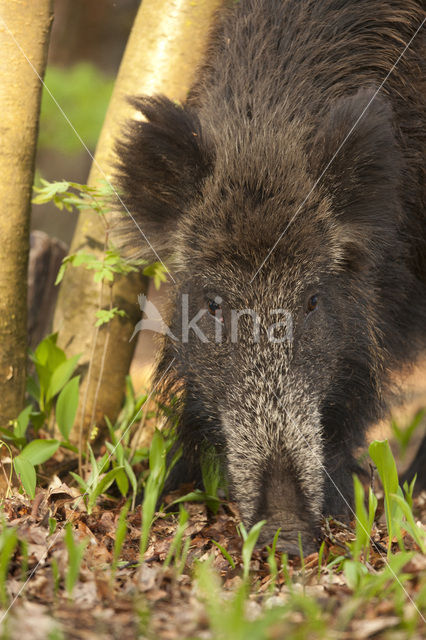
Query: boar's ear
x,y
363,178
162,161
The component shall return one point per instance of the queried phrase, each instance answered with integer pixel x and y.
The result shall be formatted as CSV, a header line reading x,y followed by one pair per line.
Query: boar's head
x,y
279,236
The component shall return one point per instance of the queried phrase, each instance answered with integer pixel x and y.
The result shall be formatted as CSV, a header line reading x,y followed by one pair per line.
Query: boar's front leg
x,y
196,432
418,466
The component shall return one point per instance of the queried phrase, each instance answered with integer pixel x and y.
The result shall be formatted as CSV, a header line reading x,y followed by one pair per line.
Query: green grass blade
x,y
75,556
120,534
225,554
248,546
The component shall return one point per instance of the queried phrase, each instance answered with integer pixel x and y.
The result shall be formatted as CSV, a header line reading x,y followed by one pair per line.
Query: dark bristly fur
x,y
216,183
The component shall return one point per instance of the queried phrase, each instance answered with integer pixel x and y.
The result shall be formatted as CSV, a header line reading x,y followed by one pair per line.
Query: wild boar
x,y
288,194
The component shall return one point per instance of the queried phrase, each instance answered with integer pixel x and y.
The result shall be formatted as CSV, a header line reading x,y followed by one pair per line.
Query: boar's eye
x,y
312,303
213,305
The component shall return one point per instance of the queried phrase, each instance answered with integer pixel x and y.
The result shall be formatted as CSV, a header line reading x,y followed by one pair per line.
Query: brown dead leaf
x,y
148,577
31,620
36,553
368,628
417,564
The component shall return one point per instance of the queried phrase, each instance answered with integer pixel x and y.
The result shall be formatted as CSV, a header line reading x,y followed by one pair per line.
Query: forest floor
x,y
199,581
169,596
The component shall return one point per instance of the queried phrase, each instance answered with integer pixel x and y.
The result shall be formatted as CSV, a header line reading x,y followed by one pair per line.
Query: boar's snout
x,y
275,467
284,507
289,542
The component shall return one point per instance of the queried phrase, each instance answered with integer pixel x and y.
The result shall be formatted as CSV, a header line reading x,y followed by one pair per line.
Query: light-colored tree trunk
x,y
24,37
165,46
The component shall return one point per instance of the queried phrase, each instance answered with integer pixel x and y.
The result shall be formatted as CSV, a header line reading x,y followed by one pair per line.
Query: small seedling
x,y
403,435
8,544
23,546
98,482
55,575
225,554
75,556
177,550
409,490
52,526
249,542
354,572
364,520
397,509
158,473
126,476
382,457
153,487
272,563
227,616
409,524
368,585
211,474
120,535
320,557
285,570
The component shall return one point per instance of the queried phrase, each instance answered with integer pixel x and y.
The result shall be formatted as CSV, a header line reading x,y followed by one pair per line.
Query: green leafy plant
x,y
34,453
116,465
227,618
212,480
54,371
105,268
110,264
106,265
369,585
122,455
397,509
98,481
408,491
228,614
320,557
382,457
409,523
66,407
55,396
285,570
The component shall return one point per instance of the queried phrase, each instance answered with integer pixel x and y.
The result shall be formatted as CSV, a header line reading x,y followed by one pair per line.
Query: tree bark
x,y
166,43
24,36
46,256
